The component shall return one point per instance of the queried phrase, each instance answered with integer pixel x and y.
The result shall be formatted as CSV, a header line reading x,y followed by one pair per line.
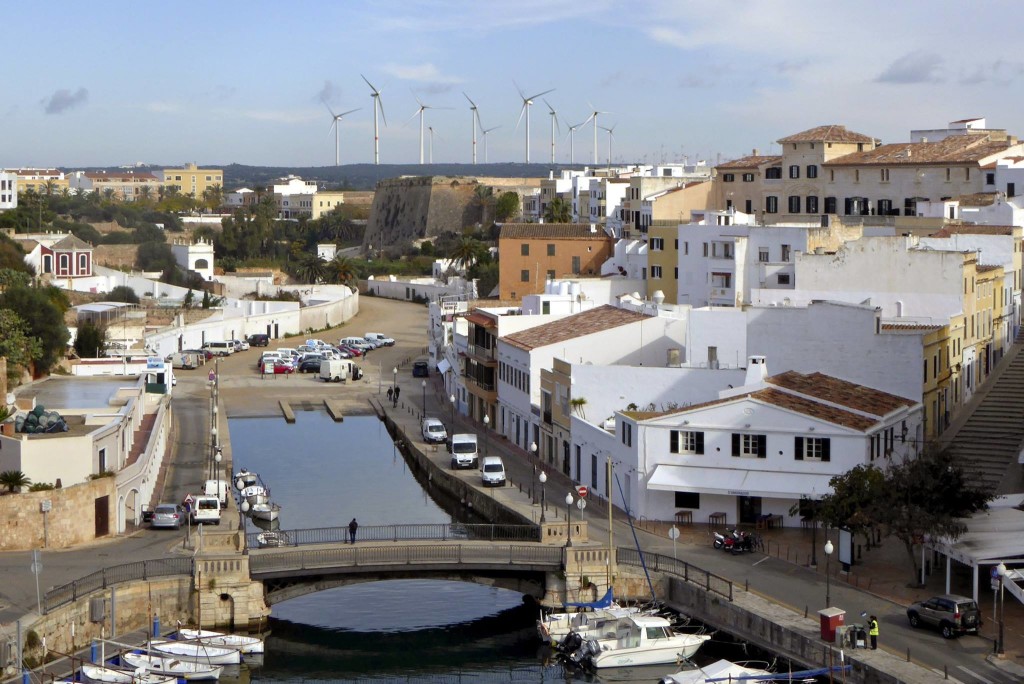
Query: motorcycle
x,y
737,541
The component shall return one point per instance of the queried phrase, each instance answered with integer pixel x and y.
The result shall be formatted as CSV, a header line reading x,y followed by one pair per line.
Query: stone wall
x,y
71,520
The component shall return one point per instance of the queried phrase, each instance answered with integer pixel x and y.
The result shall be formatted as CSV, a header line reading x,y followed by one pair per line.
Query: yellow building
x,y
40,181
663,259
556,414
191,180
324,202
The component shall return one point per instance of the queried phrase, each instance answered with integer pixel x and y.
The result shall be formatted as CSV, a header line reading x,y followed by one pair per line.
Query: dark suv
x,y
259,340
952,615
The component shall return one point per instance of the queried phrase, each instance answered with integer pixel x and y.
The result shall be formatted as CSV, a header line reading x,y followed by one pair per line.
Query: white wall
x,y
391,287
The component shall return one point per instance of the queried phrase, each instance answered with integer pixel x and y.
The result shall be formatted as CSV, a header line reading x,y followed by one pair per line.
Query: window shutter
x,y
826,446
735,444
699,443
674,441
762,446
798,448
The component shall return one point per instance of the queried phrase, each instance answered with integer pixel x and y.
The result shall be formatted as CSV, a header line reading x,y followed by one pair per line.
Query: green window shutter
x,y
735,444
798,448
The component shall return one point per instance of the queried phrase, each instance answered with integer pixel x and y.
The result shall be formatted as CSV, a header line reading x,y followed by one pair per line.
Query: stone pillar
x,y
224,595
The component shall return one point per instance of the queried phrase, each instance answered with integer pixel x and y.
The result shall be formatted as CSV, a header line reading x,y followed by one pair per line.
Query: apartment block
x,y
191,180
530,254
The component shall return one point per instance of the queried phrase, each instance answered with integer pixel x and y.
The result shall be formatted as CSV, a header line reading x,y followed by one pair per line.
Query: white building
x,y
194,256
8,190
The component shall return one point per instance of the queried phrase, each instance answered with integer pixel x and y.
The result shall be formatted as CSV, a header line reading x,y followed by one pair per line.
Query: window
x,y
1011,189
551,250
748,207
812,449
948,174
748,178
990,178
655,271
686,248
524,250
884,207
755,446
576,265
771,204
551,274
728,177
684,442
657,244
830,205
688,500
884,173
721,280
794,204
545,307
794,171
524,275
593,471
783,279
812,205
773,173
627,434
812,171
762,255
787,253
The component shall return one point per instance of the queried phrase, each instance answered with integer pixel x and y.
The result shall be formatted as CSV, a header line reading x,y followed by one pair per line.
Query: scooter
x,y
725,542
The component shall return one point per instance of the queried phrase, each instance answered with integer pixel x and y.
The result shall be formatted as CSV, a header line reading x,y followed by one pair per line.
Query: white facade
x,y
326,250
8,190
579,294
629,260
194,256
962,127
241,197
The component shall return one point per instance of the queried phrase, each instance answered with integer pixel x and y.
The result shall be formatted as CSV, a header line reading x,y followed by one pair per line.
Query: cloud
x,y
914,67
792,66
329,92
424,73
63,100
162,107
435,88
669,36
999,72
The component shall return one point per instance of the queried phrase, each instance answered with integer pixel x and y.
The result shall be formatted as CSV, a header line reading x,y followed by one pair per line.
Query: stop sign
x,y
582,491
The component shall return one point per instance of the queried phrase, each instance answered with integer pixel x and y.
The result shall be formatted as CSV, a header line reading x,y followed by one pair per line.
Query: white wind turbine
x,y
483,133
430,158
593,115
611,134
474,121
554,124
420,113
527,103
572,151
335,125
378,104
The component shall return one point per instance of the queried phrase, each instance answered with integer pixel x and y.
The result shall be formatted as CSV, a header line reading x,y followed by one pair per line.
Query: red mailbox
x,y
830,619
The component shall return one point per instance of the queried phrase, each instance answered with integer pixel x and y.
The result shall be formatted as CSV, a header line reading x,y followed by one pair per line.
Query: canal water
x,y
323,474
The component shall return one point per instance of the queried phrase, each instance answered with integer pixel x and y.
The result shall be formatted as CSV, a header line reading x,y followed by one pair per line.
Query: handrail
x,y
117,574
673,566
422,532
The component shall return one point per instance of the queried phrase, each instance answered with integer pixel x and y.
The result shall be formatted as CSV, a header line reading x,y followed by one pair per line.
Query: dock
x,y
286,409
334,410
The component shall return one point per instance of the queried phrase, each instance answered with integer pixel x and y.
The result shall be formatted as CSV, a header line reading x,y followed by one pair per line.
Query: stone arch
x,y
129,510
200,264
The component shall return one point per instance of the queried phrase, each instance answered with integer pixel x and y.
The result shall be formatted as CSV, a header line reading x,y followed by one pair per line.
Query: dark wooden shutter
x,y
674,441
826,447
699,442
735,444
762,446
799,448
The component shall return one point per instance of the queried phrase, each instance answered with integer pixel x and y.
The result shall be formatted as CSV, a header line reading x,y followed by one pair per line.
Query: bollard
x,y
805,612
945,671
25,677
746,584
908,654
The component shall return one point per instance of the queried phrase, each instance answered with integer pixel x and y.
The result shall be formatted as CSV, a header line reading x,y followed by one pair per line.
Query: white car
x,y
240,345
433,431
379,339
493,472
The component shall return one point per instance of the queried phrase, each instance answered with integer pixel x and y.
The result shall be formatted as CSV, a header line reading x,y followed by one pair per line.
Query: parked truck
x,y
339,370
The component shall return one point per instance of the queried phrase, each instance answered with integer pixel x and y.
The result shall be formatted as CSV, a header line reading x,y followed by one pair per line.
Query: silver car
x,y
168,516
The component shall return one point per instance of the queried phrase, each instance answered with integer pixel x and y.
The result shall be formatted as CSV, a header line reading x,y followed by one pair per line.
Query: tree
x,y
483,197
311,269
43,312
155,256
14,480
91,340
16,344
123,293
206,299
558,211
507,206
342,270
467,251
189,301
853,501
10,276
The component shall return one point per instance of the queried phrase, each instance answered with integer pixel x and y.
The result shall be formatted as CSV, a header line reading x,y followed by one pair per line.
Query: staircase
x,y
990,441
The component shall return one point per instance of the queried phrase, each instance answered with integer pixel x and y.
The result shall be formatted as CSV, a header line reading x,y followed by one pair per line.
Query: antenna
x,y
378,104
527,103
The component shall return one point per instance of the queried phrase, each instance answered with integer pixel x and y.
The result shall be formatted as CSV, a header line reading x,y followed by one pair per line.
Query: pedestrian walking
x,y
397,390
391,391
873,632
352,527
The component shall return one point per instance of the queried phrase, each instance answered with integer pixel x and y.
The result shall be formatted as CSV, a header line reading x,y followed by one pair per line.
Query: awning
x,y
769,484
991,536
443,366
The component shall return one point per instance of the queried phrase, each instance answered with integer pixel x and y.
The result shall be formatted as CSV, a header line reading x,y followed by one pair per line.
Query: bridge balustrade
x,y
117,574
425,532
691,573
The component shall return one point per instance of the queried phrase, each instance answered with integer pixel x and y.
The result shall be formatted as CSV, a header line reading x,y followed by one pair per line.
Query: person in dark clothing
x,y
391,392
873,632
352,527
397,390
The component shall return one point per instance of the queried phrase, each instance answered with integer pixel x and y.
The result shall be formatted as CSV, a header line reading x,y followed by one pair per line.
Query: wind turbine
x,y
611,134
377,104
554,124
430,158
334,124
420,112
484,132
593,115
572,152
527,103
474,121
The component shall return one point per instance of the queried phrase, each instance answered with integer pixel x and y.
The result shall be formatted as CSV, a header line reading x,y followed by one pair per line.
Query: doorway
x,y
102,516
750,509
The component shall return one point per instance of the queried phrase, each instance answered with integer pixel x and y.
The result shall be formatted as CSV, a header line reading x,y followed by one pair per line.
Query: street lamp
x,y
568,518
814,530
533,452
423,384
394,382
828,587
487,422
213,448
543,503
451,399
1001,571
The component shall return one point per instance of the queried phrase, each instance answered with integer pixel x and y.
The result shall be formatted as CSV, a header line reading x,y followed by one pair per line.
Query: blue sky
x,y
110,83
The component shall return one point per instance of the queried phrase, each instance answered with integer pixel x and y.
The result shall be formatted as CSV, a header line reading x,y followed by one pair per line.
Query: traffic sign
x,y
581,504
188,501
582,491
673,533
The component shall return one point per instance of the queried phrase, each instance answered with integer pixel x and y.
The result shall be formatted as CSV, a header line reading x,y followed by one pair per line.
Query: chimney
x,y
757,370
755,153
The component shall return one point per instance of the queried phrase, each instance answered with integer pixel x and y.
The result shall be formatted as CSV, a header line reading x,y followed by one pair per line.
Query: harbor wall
x,y
69,522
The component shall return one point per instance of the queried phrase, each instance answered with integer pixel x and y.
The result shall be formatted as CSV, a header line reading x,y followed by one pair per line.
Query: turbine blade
x,y
521,112
348,112
380,103
328,107
470,101
331,128
534,97
587,120
521,94
372,87
414,115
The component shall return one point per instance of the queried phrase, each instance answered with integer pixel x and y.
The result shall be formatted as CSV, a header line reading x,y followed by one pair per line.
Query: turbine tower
x,y
527,103
611,134
430,157
336,120
554,124
378,104
593,115
483,133
420,113
572,151
474,121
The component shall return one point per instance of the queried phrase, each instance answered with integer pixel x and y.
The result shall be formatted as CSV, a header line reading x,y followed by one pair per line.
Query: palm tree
x,y
145,192
483,196
14,480
467,251
311,269
557,211
108,194
342,270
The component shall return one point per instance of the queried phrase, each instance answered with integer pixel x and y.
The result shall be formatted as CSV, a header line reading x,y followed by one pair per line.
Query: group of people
x,y
393,395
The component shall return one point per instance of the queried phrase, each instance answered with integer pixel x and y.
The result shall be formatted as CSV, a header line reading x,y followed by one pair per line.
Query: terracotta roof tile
x,y
987,268
960,149
977,199
836,391
910,327
832,133
554,231
480,318
814,409
750,162
585,323
973,230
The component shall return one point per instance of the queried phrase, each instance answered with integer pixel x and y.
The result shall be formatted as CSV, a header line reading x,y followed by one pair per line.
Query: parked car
x,y
205,354
351,351
270,356
240,345
953,615
420,369
380,339
433,431
283,369
169,516
493,472
310,364
259,340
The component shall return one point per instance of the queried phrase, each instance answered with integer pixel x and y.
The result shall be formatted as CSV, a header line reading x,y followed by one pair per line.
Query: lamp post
x,y
423,384
568,518
1001,571
543,503
533,452
394,382
451,400
487,422
828,587
213,449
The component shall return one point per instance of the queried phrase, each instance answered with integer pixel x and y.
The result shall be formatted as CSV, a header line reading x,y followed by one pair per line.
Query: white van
x,y
339,370
183,360
217,488
493,472
220,348
464,452
379,339
206,510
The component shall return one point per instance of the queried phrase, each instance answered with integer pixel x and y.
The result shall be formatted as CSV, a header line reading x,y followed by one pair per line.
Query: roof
x,y
750,162
552,231
140,177
972,229
912,327
985,268
579,325
977,199
480,318
836,391
958,149
71,242
830,133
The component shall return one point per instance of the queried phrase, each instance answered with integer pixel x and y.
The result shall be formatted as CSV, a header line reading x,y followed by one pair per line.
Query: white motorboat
x,y
248,645
114,675
197,652
171,666
271,539
554,627
639,640
265,511
255,494
720,671
244,478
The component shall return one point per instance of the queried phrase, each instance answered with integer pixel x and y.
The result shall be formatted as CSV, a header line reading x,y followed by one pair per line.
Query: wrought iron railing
x,y
117,574
425,532
673,566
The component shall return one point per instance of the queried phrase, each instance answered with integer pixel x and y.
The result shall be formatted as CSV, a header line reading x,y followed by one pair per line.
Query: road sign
x,y
582,491
188,501
581,504
673,533
36,568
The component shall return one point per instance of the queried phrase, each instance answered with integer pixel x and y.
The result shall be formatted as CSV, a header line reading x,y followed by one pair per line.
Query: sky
x,y
117,83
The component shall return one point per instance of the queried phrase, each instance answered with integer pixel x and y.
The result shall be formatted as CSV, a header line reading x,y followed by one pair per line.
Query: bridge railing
x,y
418,555
128,572
425,532
691,573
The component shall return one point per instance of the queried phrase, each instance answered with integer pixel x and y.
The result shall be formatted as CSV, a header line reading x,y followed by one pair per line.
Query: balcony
x,y
484,354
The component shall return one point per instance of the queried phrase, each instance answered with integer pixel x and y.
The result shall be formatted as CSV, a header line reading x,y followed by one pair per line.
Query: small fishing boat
x,y
171,666
638,640
244,478
246,644
720,671
255,494
116,675
197,652
265,511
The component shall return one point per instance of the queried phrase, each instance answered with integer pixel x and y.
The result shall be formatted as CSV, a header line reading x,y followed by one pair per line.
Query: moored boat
x,y
638,640
244,478
197,651
265,511
171,666
719,671
255,494
554,627
115,675
246,644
